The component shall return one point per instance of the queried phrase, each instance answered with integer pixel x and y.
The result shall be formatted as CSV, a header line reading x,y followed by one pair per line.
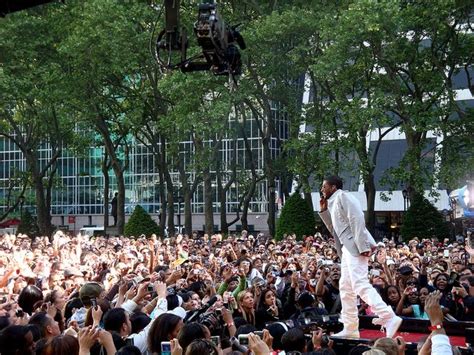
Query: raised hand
x,y
123,287
105,337
227,316
131,293
142,290
267,338
160,288
433,308
96,315
294,280
317,338
87,338
323,204
51,309
227,273
175,347
257,345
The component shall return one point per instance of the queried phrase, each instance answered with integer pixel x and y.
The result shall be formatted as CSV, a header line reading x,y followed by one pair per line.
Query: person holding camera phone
x,y
344,218
328,287
268,310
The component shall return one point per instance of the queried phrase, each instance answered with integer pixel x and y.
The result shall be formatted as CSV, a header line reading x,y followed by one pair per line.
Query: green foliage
x,y
28,225
140,222
423,220
296,217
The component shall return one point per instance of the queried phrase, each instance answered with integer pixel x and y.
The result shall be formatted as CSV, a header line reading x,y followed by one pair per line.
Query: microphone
x,y
193,315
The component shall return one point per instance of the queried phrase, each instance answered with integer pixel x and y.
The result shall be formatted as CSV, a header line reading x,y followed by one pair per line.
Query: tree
x,y
296,217
28,225
140,222
387,66
271,92
33,115
104,59
423,220
420,47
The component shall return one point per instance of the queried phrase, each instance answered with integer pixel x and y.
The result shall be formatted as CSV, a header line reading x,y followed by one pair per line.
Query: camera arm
x,y
173,38
218,42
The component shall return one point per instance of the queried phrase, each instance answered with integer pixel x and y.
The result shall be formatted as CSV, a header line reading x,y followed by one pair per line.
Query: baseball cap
x,y
89,291
178,311
405,270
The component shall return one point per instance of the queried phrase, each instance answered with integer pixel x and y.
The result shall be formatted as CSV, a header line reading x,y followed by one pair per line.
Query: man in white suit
x,y
344,218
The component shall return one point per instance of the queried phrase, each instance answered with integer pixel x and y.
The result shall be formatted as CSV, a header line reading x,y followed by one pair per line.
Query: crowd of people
x,y
211,295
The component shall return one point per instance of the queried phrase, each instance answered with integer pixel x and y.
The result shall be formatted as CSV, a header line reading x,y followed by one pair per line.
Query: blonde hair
x,y
387,345
248,316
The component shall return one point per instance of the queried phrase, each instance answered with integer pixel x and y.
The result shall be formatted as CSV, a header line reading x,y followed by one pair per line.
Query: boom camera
x,y
219,42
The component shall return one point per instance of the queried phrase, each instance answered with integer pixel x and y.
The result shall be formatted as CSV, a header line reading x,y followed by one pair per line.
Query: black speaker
x,y
470,336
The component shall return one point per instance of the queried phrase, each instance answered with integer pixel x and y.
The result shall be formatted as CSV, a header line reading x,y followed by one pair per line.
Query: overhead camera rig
x,y
219,42
7,6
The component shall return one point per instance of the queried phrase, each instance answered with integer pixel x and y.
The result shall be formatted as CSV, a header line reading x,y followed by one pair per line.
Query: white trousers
x,y
354,282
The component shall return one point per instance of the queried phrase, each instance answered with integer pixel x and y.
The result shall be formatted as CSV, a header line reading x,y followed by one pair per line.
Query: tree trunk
x,y
116,166
414,146
271,205
187,199
367,171
188,216
370,193
163,203
223,205
208,200
169,187
105,173
118,169
43,213
307,191
170,202
246,204
270,175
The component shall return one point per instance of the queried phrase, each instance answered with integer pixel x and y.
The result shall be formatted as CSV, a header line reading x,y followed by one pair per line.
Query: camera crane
x,y
8,6
219,42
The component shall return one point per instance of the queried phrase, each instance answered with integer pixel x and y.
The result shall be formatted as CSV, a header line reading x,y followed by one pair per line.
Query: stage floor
x,y
372,334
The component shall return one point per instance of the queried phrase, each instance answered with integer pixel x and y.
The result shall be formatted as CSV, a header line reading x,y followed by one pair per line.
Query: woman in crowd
x,y
202,347
410,304
268,310
245,307
57,299
191,332
165,328
391,295
59,345
442,284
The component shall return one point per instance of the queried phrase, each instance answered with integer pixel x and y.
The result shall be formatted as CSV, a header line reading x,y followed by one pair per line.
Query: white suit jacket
x,y
345,220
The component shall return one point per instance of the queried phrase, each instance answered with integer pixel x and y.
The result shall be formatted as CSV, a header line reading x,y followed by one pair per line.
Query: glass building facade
x,y
79,187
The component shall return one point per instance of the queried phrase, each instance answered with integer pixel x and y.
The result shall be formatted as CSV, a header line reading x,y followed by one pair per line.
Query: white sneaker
x,y
391,327
348,334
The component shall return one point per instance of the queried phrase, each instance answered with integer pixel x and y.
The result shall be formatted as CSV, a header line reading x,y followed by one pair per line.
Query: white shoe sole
x,y
347,335
398,322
